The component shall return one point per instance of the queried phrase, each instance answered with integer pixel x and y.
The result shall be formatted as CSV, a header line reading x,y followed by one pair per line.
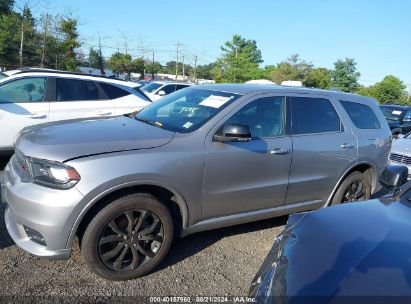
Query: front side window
x,y
186,110
76,90
361,115
265,117
313,115
23,90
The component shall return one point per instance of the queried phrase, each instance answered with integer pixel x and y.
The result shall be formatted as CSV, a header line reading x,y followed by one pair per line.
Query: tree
x,y
318,78
70,42
389,90
294,68
96,60
6,7
204,71
122,63
345,76
239,61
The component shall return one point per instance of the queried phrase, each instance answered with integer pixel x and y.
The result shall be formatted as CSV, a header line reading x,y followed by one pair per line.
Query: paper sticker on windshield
x,y
395,112
187,125
214,101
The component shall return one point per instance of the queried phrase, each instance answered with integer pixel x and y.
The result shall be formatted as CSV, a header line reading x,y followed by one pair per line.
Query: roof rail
x,y
34,70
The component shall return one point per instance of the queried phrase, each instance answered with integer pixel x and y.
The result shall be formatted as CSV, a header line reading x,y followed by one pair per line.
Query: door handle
x,y
38,116
105,113
347,146
279,151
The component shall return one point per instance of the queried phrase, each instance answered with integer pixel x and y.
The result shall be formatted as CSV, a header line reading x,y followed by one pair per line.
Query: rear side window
x,y
76,90
112,91
168,89
361,115
313,115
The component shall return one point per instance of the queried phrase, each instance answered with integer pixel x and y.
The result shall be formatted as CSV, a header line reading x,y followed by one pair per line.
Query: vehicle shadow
x,y
186,247
5,239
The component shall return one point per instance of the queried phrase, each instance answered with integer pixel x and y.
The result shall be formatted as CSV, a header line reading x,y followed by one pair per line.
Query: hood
x,y
401,146
61,141
358,249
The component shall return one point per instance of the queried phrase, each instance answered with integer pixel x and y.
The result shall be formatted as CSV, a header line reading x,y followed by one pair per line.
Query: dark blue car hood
x,y
360,249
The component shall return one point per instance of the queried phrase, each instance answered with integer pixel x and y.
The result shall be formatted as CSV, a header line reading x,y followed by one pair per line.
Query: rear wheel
x,y
128,238
355,187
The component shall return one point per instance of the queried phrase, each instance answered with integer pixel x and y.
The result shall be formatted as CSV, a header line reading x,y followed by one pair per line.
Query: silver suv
x,y
203,157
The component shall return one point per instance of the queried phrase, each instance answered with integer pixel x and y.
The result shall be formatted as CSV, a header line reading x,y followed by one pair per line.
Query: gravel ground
x,y
213,263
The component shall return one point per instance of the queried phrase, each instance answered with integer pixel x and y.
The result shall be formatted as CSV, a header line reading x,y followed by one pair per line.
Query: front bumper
x,y
48,211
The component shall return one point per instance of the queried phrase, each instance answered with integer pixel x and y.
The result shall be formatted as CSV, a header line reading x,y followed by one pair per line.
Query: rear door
x,y
246,176
323,149
77,98
23,102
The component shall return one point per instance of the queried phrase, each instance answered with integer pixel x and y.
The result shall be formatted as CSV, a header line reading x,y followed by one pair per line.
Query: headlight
x,y
53,174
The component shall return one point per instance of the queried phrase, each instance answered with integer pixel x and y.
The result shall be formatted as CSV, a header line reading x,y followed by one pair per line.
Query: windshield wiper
x,y
150,122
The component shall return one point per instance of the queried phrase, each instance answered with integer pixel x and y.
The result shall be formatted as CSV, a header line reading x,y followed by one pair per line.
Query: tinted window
x,y
361,115
392,113
180,86
264,116
74,90
113,91
168,89
23,90
313,115
151,87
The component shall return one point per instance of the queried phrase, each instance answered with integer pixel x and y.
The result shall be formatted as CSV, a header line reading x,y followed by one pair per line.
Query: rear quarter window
x,y
112,91
361,115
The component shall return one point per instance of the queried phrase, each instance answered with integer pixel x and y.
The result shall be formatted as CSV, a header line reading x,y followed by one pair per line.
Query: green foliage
x,y
123,63
70,42
294,68
204,71
239,61
318,78
345,76
96,60
6,7
389,90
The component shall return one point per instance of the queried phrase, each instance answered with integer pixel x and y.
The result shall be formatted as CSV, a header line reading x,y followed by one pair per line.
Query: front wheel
x,y
128,238
355,187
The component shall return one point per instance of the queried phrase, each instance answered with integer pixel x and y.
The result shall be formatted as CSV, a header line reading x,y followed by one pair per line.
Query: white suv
x,y
31,97
157,89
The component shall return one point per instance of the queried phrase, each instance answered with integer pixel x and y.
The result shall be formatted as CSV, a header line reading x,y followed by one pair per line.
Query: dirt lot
x,y
219,262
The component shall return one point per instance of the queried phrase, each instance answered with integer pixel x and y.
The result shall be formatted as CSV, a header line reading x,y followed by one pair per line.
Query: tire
x,y
114,251
349,184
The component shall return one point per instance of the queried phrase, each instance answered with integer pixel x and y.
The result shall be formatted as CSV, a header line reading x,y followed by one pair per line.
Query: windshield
x,y
151,87
2,75
393,114
186,110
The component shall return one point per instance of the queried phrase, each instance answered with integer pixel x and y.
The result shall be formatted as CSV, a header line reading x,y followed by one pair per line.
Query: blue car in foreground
x,y
350,253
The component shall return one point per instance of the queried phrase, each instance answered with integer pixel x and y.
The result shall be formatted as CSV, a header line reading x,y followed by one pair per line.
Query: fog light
x,y
35,236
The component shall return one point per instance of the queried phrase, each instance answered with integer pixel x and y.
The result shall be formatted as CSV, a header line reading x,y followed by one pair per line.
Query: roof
x,y
170,82
244,89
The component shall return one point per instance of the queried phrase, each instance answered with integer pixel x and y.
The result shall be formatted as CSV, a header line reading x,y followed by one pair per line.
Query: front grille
x,y
401,159
21,165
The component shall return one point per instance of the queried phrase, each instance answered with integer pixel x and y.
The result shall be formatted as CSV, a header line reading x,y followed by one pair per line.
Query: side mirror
x,y
161,93
233,132
393,177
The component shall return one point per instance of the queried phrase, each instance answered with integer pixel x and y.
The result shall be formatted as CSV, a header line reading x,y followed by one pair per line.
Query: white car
x,y
30,97
157,89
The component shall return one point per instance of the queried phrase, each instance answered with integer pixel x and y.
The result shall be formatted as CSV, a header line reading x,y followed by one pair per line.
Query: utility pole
x,y
100,57
178,45
21,41
152,68
184,74
195,68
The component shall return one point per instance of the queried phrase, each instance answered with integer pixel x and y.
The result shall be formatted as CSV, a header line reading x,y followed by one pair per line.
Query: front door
x,y
247,176
23,102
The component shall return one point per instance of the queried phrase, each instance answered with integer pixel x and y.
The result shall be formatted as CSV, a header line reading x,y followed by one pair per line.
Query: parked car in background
x,y
401,151
157,89
351,253
143,82
398,117
31,97
204,157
